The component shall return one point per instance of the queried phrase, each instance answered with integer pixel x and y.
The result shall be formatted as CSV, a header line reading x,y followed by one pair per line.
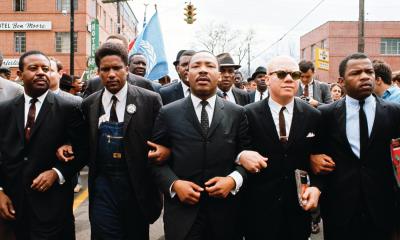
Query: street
x,y
82,227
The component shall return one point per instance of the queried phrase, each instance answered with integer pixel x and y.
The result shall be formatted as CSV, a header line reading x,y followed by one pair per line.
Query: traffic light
x,y
189,13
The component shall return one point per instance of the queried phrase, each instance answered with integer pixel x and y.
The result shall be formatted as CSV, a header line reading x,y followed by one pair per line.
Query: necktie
x,y
113,112
261,95
363,129
31,119
282,126
225,95
204,118
305,91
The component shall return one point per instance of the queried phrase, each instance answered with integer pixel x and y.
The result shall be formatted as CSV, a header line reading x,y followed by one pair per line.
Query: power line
x,y
284,35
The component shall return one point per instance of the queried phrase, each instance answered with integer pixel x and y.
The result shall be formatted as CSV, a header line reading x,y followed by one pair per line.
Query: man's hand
x,y
158,153
44,181
7,211
188,192
65,153
220,187
310,198
313,102
252,161
321,164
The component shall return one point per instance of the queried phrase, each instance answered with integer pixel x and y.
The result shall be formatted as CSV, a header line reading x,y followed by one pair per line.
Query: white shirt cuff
x,y
171,193
61,179
237,160
238,180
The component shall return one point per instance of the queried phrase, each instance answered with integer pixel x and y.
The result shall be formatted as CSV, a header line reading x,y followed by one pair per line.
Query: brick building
x,y
340,38
45,25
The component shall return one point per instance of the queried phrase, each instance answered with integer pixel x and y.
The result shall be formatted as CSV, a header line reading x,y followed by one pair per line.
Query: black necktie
x,y
31,119
305,92
282,126
204,118
261,95
363,129
225,95
113,112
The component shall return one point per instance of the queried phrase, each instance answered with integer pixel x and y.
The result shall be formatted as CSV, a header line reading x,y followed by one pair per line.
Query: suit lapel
x,y
130,99
267,121
178,91
190,114
46,106
19,112
340,112
299,90
218,115
236,96
297,124
96,110
316,91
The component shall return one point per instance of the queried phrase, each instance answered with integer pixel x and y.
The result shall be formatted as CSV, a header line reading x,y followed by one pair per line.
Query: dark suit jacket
x,y
369,179
171,93
321,92
241,97
59,120
95,84
271,195
137,130
197,159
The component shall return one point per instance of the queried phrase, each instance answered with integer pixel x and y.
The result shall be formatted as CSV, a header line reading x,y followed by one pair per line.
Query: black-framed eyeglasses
x,y
282,74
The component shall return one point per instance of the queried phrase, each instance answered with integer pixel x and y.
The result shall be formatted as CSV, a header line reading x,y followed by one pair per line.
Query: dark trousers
x,y
115,213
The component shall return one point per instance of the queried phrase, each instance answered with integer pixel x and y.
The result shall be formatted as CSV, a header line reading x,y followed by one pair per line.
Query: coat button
x,y
25,158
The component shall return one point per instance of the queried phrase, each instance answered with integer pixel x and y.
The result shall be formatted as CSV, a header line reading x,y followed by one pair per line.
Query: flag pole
x,y
145,13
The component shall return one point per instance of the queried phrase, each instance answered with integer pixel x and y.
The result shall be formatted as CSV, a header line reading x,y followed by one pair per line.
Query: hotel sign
x,y
25,26
10,62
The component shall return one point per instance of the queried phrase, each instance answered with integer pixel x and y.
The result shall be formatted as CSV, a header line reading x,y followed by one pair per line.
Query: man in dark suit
x,y
200,183
355,134
138,66
179,89
36,188
230,93
261,92
311,90
282,128
124,200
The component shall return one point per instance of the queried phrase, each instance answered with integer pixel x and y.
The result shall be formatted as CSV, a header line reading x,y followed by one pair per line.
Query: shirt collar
x,y
184,86
310,84
354,102
277,107
389,91
40,98
57,91
121,94
196,101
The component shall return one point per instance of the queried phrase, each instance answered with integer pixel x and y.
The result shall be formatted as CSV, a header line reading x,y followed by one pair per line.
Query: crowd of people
x,y
218,154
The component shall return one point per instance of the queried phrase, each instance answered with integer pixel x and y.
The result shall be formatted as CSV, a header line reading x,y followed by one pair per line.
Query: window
x,y
19,5
63,42
323,44
66,5
111,26
312,52
303,53
390,46
104,19
20,42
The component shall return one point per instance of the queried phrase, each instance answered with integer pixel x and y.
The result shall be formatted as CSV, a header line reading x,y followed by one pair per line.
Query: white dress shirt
x,y
288,113
229,96
258,94
210,112
38,106
310,88
186,89
352,120
119,107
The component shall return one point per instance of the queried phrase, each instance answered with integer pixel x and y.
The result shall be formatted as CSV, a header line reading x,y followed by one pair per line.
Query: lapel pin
x,y
131,108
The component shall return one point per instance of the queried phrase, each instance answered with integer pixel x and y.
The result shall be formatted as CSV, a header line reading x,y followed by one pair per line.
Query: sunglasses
x,y
282,74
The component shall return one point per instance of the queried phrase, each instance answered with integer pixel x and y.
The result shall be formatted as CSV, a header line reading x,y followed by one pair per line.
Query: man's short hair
x,y
205,51
383,71
5,70
58,63
187,53
27,54
305,65
396,76
343,63
119,37
135,54
109,49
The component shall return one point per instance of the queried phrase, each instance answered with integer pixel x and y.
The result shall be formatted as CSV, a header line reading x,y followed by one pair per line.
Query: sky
x,y
270,20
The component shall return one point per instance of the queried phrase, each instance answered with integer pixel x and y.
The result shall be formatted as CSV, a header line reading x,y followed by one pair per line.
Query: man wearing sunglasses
x,y
282,128
310,89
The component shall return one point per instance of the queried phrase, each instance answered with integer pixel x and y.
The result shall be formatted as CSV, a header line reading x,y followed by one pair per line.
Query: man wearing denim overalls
x,y
123,199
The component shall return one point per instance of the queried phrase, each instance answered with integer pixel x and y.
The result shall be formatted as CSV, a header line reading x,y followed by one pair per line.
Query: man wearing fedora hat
x,y
262,85
227,68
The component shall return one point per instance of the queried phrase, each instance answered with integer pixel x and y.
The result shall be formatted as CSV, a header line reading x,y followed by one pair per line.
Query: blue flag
x,y
150,43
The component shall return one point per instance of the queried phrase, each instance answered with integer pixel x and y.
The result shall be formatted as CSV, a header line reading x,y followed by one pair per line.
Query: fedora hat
x,y
225,60
260,69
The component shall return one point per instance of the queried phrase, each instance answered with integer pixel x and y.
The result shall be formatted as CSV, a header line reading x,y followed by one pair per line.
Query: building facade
x,y
44,25
340,38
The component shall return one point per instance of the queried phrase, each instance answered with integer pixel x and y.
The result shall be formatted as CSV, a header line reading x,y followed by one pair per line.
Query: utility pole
x,y
248,58
119,18
72,49
361,34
